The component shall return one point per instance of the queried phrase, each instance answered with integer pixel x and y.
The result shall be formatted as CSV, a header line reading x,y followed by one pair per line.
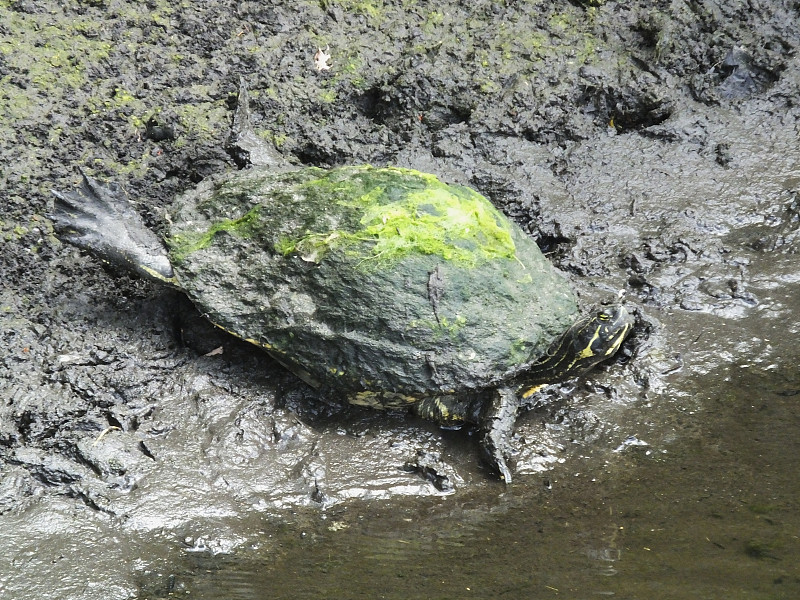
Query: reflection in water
x,y
607,555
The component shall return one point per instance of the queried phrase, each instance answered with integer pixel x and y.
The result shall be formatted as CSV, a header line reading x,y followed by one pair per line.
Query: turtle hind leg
x,y
97,217
449,411
81,214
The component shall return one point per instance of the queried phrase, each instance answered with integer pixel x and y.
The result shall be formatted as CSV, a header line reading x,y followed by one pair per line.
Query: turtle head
x,y
589,341
599,336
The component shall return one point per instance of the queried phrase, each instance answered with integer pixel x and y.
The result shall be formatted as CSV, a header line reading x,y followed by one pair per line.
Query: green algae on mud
x,y
375,215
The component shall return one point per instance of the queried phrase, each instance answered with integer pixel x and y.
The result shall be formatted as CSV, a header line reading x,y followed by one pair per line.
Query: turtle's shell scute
x,y
369,279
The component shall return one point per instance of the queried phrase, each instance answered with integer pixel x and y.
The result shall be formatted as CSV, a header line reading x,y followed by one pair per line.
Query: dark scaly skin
x,y
97,217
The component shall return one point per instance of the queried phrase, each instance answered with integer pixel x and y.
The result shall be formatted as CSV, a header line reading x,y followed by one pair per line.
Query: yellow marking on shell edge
x,y
385,399
532,390
255,342
158,276
264,345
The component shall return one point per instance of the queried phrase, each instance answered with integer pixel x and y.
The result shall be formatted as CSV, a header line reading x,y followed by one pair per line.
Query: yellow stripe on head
x,y
618,342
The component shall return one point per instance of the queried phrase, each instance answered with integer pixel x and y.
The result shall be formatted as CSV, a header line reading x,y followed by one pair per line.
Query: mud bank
x,y
650,148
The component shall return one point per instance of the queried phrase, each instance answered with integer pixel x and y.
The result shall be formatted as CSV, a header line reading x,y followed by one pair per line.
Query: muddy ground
x,y
650,147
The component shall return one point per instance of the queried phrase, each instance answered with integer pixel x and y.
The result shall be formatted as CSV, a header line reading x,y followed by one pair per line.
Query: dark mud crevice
x,y
413,99
633,108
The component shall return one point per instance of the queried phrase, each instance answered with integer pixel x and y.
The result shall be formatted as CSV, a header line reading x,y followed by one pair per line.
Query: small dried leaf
x,y
321,59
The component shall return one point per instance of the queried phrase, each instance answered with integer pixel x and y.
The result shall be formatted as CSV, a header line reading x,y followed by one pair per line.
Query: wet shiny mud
x,y
646,148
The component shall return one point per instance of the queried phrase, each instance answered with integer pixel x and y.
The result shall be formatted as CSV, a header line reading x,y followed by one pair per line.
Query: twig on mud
x,y
104,432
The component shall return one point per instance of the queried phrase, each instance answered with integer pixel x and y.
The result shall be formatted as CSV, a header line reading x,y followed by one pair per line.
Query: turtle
x,y
382,286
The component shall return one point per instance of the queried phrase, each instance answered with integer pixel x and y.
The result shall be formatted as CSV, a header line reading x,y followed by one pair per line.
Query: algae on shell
x,y
330,270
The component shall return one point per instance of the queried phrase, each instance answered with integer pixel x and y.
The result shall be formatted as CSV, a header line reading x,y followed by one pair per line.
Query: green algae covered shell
x,y
364,279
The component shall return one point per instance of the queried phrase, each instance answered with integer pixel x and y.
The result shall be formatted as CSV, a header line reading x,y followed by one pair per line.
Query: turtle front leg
x,y
497,427
495,414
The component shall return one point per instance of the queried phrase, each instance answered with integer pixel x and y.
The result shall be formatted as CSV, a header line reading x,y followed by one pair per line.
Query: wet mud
x,y
647,147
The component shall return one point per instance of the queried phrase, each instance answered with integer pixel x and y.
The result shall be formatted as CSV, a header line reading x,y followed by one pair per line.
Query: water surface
x,y
712,515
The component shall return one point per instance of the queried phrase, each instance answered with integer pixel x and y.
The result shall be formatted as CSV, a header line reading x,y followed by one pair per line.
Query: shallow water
x,y
713,514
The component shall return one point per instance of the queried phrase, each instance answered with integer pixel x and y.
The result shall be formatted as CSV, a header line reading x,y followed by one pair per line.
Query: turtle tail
x,y
98,218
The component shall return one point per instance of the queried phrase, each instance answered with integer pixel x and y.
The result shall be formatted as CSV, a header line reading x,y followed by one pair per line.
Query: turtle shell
x,y
365,279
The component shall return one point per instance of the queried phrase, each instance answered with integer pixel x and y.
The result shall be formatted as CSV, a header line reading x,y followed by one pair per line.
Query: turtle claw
x,y
498,425
495,460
